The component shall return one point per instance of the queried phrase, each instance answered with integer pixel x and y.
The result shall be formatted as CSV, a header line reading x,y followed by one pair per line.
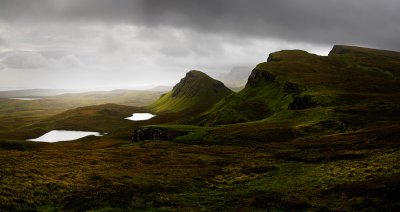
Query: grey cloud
x,y
2,41
71,61
39,60
111,44
365,22
24,60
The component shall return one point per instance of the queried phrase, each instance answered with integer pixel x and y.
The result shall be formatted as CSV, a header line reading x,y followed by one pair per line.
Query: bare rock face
x,y
258,76
291,88
302,102
155,134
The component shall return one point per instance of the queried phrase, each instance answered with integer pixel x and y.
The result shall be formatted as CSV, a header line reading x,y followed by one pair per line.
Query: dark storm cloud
x,y
364,22
128,43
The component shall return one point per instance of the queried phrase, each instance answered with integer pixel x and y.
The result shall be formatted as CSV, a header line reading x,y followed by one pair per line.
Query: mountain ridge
x,y
297,80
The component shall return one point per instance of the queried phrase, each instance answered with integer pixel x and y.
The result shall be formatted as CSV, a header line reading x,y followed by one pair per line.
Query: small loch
x,y
25,99
140,116
64,135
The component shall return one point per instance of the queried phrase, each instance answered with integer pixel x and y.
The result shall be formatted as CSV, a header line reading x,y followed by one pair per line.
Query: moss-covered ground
x,y
345,171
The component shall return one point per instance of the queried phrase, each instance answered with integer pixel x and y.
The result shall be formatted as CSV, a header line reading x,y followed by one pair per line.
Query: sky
x,y
113,44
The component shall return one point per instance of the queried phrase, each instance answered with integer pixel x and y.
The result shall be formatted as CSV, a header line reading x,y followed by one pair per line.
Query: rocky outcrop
x,y
142,134
194,82
302,102
181,88
273,58
339,49
289,87
258,75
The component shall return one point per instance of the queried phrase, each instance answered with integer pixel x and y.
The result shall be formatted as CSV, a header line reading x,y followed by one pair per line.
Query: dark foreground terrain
x,y
307,133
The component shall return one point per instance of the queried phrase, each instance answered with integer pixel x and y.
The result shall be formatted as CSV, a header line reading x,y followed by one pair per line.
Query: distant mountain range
x,y
36,92
236,77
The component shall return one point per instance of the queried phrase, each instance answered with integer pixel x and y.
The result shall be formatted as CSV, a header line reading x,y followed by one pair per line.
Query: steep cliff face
x,y
195,92
302,102
263,95
299,101
257,76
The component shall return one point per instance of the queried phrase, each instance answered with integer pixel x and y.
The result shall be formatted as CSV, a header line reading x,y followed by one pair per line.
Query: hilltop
x,y
195,92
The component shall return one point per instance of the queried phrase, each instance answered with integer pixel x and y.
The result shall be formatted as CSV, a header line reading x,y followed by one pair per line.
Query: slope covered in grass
x,y
195,92
297,80
102,118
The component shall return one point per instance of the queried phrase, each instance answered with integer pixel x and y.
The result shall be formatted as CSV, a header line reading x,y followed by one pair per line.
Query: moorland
x,y
307,132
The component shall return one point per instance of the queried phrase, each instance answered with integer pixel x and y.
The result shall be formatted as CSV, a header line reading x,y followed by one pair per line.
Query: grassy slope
x,y
348,78
195,92
106,118
16,114
349,171
103,118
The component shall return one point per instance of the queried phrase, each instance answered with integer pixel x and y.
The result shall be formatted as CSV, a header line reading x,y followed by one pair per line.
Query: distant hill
x,y
35,92
195,92
97,117
293,80
125,97
237,77
160,88
101,118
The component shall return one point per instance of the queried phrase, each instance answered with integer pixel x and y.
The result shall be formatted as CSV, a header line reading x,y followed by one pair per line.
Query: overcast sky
x,y
137,43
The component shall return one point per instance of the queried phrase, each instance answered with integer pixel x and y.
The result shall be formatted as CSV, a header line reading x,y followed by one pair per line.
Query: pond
x,y
25,99
140,116
63,135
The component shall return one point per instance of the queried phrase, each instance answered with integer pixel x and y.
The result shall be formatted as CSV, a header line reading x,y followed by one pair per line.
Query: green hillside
x,y
102,118
297,80
195,92
18,119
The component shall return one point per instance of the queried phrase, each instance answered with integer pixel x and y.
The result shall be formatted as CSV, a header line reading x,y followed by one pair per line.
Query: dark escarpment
x,y
257,76
299,101
302,102
264,95
155,134
290,87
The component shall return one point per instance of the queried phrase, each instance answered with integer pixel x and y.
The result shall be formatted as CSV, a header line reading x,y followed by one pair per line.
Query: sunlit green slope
x,y
195,92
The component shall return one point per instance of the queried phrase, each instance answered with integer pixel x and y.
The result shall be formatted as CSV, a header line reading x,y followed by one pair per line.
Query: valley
x,y
307,132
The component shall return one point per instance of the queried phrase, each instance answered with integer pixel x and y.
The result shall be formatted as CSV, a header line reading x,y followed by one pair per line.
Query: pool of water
x,y
25,99
140,116
63,135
